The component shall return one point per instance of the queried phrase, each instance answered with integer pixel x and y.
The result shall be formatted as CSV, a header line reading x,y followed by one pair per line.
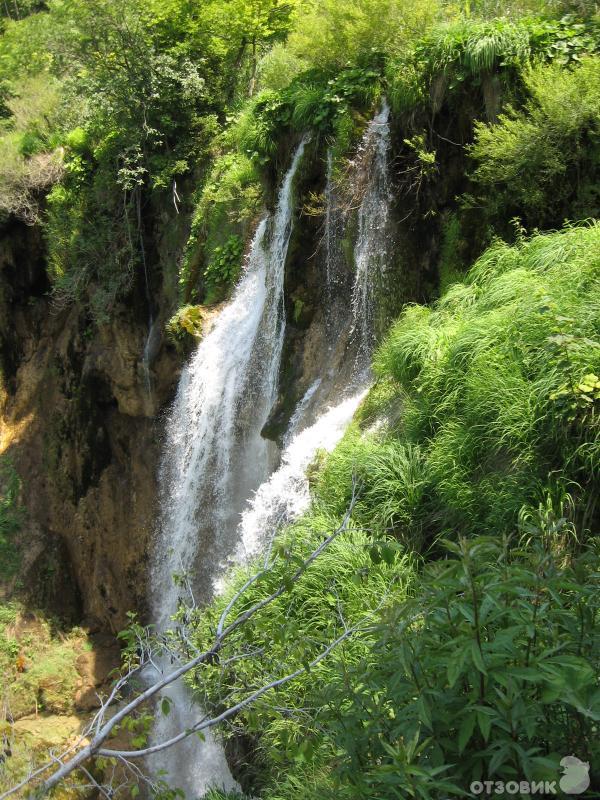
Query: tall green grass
x,y
487,402
493,382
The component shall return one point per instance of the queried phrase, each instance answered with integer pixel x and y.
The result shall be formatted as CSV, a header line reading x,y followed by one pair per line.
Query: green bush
x,y
93,240
542,163
564,41
344,585
223,268
330,34
316,99
489,672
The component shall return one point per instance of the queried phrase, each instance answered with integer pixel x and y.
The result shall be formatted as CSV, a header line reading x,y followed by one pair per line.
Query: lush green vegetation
x,y
110,109
38,665
471,556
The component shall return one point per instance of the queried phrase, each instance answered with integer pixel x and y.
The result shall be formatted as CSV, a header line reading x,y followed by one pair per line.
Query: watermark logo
x,y
576,778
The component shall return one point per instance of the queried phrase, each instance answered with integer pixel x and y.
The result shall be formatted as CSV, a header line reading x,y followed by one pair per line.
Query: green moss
x,y
451,267
187,321
10,519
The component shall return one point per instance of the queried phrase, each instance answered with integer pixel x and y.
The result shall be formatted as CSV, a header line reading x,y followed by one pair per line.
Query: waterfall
x,y
334,222
316,423
151,346
220,493
214,458
372,245
285,495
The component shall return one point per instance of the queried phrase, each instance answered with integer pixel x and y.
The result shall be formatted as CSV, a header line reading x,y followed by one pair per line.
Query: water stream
x,y
371,252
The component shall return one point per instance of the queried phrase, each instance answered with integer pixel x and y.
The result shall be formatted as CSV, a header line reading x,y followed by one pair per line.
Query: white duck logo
x,y
576,778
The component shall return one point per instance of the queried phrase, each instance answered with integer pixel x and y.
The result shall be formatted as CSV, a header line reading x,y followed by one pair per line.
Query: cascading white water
x,y
372,245
214,458
285,495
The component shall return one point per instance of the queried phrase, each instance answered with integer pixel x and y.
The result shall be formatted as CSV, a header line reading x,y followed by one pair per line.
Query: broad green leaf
x,y
466,729
477,657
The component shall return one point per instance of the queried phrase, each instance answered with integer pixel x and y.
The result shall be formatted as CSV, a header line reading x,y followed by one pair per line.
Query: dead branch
x,y
91,743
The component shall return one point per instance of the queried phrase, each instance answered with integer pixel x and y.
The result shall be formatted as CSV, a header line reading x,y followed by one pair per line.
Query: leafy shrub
x,y
224,267
254,132
489,672
564,41
542,163
83,221
278,68
344,582
316,99
187,321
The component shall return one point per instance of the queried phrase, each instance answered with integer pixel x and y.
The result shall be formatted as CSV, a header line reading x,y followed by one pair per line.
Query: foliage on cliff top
x,y
146,89
482,61
543,163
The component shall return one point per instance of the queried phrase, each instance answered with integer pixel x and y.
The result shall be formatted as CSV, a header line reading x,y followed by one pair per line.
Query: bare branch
x,y
91,743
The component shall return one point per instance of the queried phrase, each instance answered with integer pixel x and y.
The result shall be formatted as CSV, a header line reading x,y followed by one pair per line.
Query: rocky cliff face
x,y
78,420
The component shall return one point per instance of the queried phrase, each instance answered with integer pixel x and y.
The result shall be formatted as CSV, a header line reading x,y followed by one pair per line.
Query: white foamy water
x,y
285,495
